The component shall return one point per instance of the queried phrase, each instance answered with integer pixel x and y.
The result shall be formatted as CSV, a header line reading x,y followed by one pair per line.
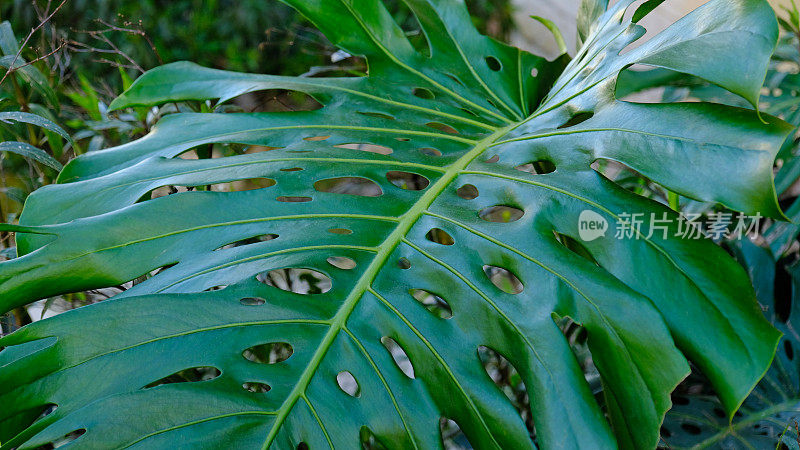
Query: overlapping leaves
x,y
474,163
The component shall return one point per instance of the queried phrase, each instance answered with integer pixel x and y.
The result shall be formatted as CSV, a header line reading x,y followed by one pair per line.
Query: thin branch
x,y
11,67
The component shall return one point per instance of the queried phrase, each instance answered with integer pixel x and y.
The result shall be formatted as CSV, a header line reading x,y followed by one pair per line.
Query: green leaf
x,y
8,42
32,76
770,414
28,151
436,203
39,121
588,13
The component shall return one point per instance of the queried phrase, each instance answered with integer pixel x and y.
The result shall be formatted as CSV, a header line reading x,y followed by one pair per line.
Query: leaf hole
x,y
470,112
788,349
399,356
297,199
534,72
68,438
367,147
538,167
443,127
298,280
348,384
428,151
252,301
248,241
455,79
302,446
215,288
432,302
341,231
292,169
342,262
452,435
377,115
368,440
423,93
358,186
493,63
316,138
501,214
256,387
577,119
407,180
269,353
691,428
190,375
507,379
467,192
404,263
439,236
493,159
503,279
719,413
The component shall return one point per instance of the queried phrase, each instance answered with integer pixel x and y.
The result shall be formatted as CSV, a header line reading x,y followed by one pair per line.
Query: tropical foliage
x,y
342,279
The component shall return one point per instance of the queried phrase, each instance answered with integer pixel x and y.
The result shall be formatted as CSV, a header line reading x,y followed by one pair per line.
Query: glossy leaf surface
x,y
520,131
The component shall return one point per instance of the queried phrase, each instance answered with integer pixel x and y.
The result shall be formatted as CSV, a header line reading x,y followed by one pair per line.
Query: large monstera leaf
x,y
472,161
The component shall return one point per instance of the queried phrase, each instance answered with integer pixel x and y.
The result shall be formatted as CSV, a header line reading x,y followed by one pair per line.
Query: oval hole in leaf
x,y
501,214
368,440
577,119
428,151
367,147
399,356
348,384
470,112
452,436
297,280
788,349
289,199
507,379
432,302
377,115
423,93
248,241
316,138
252,301
342,262
269,353
576,247
358,186
443,127
215,288
249,184
534,72
407,180
493,63
256,387
439,236
691,428
455,79
493,159
292,169
538,167
404,263
503,279
467,192
65,440
190,375
302,446
342,231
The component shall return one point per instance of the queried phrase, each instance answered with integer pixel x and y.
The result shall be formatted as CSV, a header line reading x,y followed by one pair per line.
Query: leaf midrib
x,y
364,283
